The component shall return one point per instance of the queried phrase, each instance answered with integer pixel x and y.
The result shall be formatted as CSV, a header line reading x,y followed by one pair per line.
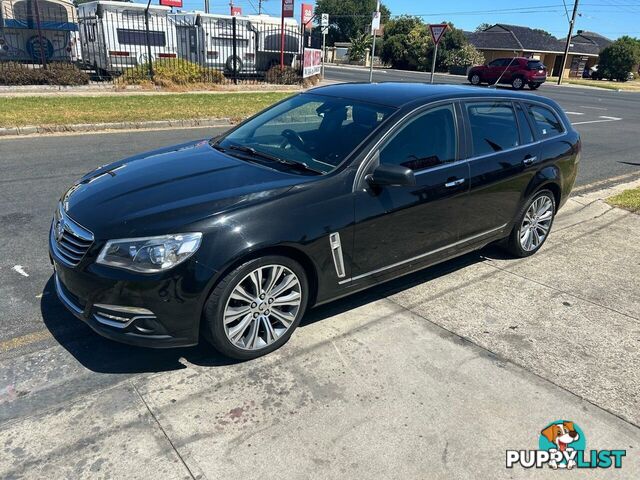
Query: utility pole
x,y
566,48
259,7
206,6
374,29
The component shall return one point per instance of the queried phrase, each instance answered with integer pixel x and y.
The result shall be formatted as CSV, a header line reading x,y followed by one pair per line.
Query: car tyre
x,y
475,79
536,217
225,300
534,86
517,83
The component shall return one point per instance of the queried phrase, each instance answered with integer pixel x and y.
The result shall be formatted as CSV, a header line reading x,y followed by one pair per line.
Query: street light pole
x,y
373,44
566,48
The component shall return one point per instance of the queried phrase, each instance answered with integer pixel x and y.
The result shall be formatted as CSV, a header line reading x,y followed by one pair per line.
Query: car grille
x,y
71,240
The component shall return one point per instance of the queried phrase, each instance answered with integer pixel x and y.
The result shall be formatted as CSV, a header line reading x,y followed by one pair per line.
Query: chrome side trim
x,y
66,301
336,252
423,255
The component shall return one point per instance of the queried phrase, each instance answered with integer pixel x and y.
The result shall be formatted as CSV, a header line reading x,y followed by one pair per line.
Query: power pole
x,y
373,41
206,6
566,48
259,7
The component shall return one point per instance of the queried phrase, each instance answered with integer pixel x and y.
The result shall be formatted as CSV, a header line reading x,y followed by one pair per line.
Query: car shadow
x,y
102,355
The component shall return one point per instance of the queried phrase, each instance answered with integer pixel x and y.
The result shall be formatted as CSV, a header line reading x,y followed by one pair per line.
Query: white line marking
x,y
593,108
604,120
574,113
20,270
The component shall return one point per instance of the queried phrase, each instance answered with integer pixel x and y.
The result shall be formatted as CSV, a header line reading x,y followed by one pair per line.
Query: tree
x,y
359,46
619,58
349,18
406,43
483,26
465,56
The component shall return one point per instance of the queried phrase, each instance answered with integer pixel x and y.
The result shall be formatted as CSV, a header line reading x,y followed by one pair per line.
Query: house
x,y
502,40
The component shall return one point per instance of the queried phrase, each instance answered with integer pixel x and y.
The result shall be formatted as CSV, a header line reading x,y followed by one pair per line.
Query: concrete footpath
x,y
431,376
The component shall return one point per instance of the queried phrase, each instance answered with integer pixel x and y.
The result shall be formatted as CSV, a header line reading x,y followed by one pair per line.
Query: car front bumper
x,y
159,310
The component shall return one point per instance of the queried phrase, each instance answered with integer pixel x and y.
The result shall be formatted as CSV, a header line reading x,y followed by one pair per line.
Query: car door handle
x,y
454,183
530,160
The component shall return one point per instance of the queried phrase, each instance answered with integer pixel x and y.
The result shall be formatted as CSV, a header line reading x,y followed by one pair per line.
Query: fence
x,y
131,42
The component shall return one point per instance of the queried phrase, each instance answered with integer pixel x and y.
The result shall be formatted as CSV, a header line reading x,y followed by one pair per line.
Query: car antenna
x,y
500,77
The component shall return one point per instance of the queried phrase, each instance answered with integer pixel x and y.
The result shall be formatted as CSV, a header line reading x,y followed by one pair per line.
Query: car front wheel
x,y
517,83
475,79
256,307
533,224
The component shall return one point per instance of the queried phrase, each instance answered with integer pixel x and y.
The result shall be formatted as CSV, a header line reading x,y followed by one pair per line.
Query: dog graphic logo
x,y
563,435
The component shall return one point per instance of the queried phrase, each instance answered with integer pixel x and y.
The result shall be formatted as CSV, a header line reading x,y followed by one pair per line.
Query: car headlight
x,y
150,254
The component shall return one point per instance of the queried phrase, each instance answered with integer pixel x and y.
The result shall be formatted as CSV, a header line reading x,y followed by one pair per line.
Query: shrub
x,y
171,72
56,73
359,47
619,58
465,56
283,76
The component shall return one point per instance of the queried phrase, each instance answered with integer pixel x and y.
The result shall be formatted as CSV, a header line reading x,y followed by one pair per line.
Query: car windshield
x,y
316,132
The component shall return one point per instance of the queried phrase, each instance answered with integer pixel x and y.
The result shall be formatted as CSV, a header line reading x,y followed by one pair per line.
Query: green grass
x,y
629,200
68,110
630,86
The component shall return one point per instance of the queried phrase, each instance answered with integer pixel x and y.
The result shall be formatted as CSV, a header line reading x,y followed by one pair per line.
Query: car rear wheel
x,y
534,86
533,224
517,83
256,307
475,79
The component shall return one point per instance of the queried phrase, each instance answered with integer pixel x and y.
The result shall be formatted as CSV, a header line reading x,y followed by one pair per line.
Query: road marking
x,y
574,113
20,270
593,108
604,120
23,340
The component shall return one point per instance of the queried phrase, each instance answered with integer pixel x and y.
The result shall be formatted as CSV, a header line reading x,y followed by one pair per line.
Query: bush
x,y
171,72
56,73
465,56
619,58
360,44
283,76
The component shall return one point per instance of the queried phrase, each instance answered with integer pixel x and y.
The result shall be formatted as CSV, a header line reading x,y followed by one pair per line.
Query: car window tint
x,y
426,141
493,127
535,65
545,121
496,63
526,134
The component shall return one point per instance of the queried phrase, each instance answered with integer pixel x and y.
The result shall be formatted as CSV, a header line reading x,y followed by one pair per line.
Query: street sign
x,y
306,14
375,22
171,3
236,11
437,31
324,20
287,8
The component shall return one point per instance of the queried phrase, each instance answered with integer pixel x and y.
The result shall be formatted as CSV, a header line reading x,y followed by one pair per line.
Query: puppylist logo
x,y
562,444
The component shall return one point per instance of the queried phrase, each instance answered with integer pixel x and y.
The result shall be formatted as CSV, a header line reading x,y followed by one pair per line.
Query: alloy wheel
x,y
475,79
536,223
262,307
517,83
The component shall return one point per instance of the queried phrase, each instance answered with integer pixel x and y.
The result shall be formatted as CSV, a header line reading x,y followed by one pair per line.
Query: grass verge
x,y
629,200
40,111
631,86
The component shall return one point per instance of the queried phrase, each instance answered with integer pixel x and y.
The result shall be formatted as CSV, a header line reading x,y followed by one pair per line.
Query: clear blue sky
x,y
612,18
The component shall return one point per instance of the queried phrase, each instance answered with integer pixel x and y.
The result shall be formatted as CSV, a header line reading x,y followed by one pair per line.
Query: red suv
x,y
517,72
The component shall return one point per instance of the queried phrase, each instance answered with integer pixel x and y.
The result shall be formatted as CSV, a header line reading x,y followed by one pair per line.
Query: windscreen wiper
x,y
273,158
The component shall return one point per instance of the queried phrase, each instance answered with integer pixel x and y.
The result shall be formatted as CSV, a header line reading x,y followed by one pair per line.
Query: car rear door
x,y
503,157
399,226
493,70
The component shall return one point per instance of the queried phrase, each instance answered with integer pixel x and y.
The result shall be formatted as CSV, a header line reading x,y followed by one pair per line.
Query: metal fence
x,y
130,42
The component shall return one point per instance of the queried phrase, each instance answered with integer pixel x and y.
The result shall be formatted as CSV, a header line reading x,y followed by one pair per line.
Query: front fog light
x,y
150,254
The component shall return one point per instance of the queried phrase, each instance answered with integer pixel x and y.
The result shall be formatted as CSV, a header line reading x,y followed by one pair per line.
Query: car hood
x,y
168,189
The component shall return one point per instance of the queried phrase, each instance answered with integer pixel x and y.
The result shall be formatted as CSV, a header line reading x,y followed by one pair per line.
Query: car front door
x,y
503,159
399,226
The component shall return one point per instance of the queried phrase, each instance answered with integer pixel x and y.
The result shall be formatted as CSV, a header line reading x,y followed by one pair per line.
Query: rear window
x,y
535,65
545,122
128,36
493,127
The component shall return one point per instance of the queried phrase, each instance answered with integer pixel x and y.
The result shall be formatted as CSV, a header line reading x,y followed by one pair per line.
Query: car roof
x,y
399,94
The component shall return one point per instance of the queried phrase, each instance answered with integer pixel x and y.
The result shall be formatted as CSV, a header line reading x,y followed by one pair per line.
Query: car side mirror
x,y
391,175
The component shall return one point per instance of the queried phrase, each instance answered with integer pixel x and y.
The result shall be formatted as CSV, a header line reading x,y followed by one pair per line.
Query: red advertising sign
x,y
312,63
437,31
287,8
236,11
306,15
171,3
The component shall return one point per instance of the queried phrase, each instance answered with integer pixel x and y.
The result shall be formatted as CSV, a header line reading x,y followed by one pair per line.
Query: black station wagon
x,y
324,194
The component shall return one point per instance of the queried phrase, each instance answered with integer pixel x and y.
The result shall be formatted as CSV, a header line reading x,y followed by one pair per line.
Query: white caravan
x,y
22,41
114,37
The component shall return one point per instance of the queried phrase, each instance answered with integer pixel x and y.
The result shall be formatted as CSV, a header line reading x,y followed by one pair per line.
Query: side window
x,y
493,126
426,141
545,122
526,135
496,63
